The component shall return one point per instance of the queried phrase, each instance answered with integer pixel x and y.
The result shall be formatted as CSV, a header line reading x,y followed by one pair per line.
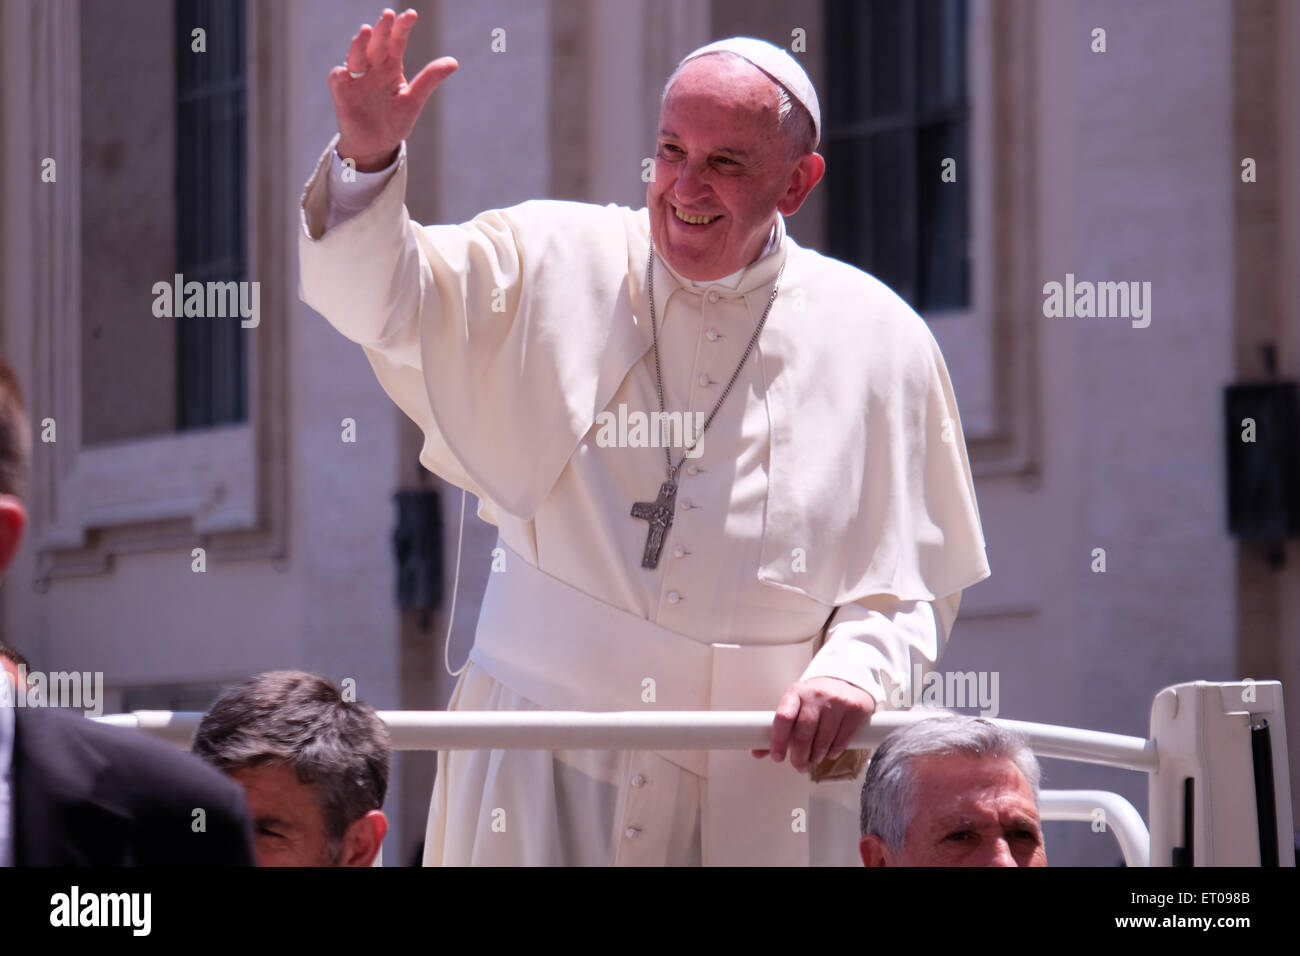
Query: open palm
x,y
378,109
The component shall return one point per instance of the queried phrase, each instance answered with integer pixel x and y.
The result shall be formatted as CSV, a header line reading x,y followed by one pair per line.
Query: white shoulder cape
x,y
527,319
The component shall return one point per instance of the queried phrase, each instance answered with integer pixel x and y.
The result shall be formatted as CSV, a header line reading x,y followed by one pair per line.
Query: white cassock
x,y
833,486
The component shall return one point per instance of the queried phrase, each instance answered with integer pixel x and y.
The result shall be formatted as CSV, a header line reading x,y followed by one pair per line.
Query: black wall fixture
x,y
1263,473
417,543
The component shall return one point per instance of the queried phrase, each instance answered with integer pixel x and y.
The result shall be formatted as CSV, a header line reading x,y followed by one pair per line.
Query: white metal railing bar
x,y
1204,739
1119,816
664,730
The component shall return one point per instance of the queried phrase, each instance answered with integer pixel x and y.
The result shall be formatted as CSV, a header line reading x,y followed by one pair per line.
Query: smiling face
x,y
971,811
722,169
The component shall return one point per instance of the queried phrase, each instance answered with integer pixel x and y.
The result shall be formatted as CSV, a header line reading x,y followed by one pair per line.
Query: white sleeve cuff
x,y
876,643
351,191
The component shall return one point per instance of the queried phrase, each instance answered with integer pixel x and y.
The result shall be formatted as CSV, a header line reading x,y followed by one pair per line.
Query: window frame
x,y
209,393
911,118
991,345
221,488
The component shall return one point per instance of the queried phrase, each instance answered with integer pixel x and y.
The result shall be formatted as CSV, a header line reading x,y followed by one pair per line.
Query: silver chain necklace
x,y
660,512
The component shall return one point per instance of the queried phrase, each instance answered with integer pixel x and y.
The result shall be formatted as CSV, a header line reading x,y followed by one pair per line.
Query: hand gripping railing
x,y
1170,757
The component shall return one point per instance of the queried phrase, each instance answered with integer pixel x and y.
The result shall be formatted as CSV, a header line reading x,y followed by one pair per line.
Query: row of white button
x,y
692,469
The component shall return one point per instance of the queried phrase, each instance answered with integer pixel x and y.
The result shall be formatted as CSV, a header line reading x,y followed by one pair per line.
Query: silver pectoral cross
x,y
660,515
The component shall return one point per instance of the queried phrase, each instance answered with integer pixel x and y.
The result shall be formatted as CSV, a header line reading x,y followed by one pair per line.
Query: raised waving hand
x,y
376,105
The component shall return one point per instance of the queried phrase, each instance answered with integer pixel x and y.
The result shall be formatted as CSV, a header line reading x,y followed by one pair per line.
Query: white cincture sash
x,y
564,650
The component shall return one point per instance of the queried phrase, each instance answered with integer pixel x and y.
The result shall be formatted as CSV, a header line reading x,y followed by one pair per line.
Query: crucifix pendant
x,y
660,515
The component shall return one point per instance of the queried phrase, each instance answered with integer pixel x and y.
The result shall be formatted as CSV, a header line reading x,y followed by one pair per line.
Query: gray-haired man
x,y
952,791
313,766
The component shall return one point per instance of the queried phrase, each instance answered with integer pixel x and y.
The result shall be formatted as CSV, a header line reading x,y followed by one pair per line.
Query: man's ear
x,y
13,520
807,173
364,838
874,852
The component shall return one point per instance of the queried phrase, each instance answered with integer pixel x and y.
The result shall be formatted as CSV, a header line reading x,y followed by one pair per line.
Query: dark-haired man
x,y
313,766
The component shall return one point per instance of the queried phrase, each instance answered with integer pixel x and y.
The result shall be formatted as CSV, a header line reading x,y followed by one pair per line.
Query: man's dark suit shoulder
x,y
87,794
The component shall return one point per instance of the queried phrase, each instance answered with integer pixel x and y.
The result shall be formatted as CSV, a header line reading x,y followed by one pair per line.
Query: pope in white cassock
x,y
803,552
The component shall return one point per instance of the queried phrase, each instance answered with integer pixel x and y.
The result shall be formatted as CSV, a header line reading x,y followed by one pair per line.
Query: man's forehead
x,y
773,63
947,783
974,811
715,119
726,82
274,787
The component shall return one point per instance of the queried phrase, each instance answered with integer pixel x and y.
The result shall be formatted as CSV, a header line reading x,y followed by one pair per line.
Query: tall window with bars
x,y
896,110
211,204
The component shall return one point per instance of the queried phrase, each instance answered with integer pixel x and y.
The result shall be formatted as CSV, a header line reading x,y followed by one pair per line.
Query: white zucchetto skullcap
x,y
777,64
